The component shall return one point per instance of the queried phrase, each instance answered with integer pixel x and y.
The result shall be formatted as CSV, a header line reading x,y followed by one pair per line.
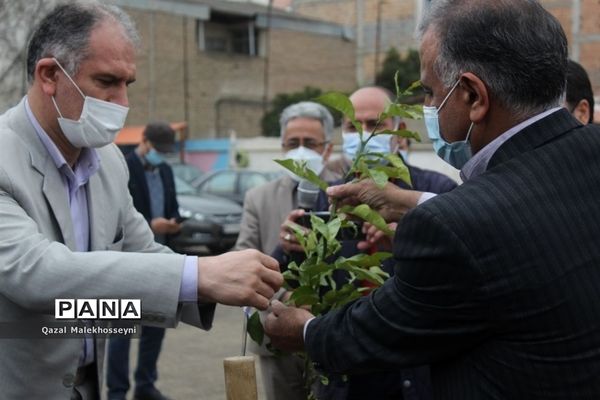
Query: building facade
x,y
216,64
381,24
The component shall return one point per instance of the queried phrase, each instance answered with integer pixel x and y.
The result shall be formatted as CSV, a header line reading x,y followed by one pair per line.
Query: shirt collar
x,y
479,162
87,164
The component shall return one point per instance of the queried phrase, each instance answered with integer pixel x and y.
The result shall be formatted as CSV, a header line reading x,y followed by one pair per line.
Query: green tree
x,y
270,121
408,69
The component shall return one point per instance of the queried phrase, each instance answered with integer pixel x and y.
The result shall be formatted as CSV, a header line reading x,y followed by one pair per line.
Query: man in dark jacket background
x,y
152,188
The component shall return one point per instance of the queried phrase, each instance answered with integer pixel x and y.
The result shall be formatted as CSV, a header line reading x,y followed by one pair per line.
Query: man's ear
x,y
582,111
46,74
475,96
398,142
327,152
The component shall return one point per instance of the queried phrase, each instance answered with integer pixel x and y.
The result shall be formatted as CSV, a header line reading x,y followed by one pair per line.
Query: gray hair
x,y
308,109
515,46
65,32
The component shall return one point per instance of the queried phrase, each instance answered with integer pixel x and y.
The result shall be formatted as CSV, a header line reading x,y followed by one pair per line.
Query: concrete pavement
x,y
191,362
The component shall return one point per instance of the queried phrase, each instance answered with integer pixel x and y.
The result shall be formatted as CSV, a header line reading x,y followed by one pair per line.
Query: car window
x,y
221,183
250,180
182,187
187,172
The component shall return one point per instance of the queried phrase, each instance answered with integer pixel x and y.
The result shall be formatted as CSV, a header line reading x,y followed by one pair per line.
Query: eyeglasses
x,y
308,143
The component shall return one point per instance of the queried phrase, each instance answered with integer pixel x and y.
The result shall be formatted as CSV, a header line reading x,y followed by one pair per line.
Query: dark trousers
x,y
117,371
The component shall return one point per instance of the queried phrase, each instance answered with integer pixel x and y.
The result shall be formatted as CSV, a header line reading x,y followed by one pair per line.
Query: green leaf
x,y
318,309
304,295
377,270
338,101
317,223
365,212
399,170
403,133
364,260
371,277
397,173
321,250
411,111
331,282
342,103
333,227
409,91
300,169
395,160
346,294
378,176
289,275
361,168
363,274
255,328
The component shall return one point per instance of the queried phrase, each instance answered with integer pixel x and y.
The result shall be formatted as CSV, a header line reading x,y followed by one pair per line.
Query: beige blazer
x,y
38,264
265,209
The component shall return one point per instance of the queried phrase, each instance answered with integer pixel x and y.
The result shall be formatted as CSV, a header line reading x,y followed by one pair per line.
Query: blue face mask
x,y
456,153
377,144
154,158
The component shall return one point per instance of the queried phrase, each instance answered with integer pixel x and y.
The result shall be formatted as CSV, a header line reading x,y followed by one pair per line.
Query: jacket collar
x,y
535,135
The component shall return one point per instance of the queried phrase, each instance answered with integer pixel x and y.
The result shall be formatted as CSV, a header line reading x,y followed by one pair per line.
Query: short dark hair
x,y
64,33
579,87
161,135
515,46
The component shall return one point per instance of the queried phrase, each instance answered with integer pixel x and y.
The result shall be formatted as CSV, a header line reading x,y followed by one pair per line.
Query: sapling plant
x,y
311,281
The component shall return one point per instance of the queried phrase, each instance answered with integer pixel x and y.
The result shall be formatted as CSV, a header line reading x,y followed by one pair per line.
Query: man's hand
x,y
287,238
374,236
391,201
163,226
285,326
239,278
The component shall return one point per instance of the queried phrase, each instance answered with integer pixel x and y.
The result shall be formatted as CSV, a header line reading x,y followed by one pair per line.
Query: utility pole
x,y
377,38
186,90
267,51
575,29
360,42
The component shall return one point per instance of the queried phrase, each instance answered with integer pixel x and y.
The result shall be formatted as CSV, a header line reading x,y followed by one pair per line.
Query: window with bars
x,y
228,34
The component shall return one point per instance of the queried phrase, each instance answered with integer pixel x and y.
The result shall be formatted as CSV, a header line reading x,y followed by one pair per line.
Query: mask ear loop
x,y
67,75
448,95
469,131
56,106
72,81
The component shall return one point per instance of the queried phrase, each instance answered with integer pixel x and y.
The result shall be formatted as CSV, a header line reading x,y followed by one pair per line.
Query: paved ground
x,y
191,362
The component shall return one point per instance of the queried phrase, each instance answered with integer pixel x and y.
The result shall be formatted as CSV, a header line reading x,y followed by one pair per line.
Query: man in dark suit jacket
x,y
152,188
496,283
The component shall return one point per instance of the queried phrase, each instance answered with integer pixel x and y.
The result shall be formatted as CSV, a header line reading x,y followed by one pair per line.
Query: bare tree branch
x,y
17,21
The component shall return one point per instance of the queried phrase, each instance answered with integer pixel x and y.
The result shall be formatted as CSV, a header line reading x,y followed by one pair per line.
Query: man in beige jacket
x,y
68,228
306,134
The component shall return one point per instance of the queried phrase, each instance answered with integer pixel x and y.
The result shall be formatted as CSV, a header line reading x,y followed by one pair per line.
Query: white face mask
x,y
99,123
377,144
314,160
